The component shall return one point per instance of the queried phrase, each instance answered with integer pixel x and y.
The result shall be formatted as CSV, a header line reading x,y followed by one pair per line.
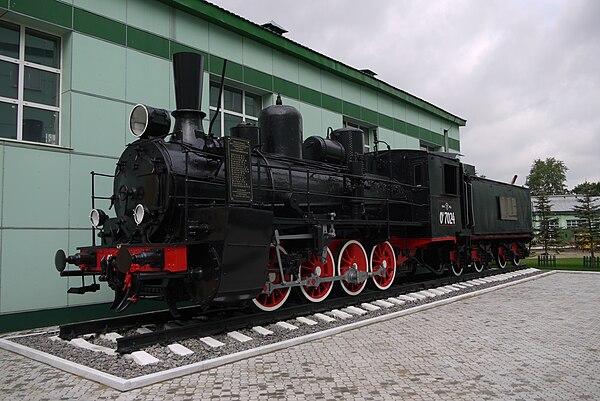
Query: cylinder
x,y
323,150
281,130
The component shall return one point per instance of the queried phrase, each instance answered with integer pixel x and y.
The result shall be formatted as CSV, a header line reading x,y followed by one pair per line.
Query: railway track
x,y
196,322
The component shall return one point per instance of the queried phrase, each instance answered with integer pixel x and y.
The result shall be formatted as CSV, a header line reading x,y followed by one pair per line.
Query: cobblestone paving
x,y
534,341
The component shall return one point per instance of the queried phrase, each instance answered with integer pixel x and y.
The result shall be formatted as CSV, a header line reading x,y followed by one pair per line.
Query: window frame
x,y
222,111
20,100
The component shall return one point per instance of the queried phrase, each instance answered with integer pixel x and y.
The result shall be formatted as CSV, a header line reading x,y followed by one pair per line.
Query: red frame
x,y
175,258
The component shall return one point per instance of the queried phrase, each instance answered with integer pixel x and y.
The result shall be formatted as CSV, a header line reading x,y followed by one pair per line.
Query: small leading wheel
x,y
315,267
275,299
478,266
501,259
456,268
352,256
383,257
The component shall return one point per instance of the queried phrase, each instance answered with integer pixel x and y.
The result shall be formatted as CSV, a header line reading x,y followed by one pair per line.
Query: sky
x,y
524,74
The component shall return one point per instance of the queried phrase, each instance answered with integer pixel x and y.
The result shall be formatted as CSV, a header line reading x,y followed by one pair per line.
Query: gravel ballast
x,y
124,367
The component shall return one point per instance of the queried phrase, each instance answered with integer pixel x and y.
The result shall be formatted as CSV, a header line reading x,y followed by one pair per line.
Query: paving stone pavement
x,y
535,341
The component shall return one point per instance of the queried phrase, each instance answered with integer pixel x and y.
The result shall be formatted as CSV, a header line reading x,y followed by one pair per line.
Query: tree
x,y
589,214
587,188
548,177
547,232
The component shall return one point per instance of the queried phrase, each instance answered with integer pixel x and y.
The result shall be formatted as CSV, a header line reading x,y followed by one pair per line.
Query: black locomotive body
x,y
254,215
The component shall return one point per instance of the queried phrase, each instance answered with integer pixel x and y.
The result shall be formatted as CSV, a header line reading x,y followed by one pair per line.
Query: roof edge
x,y
238,24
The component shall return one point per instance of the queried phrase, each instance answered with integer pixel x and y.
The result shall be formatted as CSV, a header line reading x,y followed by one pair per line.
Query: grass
x,y
561,264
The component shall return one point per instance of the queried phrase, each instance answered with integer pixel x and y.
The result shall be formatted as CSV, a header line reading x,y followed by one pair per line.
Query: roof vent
x,y
274,27
368,72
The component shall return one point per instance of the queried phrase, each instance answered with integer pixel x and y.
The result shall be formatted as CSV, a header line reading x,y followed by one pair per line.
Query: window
x,y
237,106
428,147
418,175
29,84
367,133
450,179
575,223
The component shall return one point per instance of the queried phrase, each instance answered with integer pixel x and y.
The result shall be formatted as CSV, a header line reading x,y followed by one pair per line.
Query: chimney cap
x,y
274,27
368,72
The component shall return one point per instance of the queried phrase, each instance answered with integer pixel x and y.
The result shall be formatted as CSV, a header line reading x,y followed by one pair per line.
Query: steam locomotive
x,y
261,213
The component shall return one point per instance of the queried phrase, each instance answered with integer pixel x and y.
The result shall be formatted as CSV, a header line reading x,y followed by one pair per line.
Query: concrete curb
x,y
121,384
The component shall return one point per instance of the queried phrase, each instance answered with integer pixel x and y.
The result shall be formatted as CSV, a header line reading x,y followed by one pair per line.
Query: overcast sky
x,y
524,74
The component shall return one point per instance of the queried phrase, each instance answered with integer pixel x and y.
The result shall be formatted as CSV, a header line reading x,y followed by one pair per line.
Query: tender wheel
x,y
314,266
383,255
456,268
515,261
275,299
352,255
501,259
478,266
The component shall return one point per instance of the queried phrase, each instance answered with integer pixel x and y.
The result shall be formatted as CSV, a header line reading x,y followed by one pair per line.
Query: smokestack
x,y
188,71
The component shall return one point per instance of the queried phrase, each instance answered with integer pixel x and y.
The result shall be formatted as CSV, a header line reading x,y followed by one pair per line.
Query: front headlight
x,y
145,121
98,218
140,214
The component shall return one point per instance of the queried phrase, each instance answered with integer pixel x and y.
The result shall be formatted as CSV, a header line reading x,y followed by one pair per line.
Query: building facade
x,y
564,216
72,70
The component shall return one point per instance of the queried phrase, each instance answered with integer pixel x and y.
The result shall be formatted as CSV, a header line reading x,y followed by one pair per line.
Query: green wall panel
x,y
257,78
386,121
147,79
152,16
330,119
107,60
425,135
351,92
190,30
98,26
115,9
369,116
147,42
106,136
385,105
351,109
368,98
437,139
412,130
258,56
400,126
4,3
225,44
412,143
311,120
309,76
454,144
332,103
27,282
285,66
310,96
177,47
234,70
51,11
35,194
331,84
287,88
